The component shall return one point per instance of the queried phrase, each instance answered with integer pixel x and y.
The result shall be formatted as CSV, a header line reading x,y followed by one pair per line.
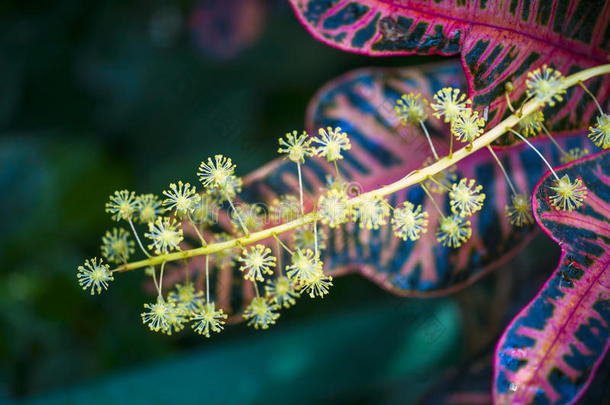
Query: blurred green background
x,y
102,95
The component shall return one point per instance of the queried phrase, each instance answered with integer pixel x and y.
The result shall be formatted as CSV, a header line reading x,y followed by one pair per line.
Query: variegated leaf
x,y
551,349
498,41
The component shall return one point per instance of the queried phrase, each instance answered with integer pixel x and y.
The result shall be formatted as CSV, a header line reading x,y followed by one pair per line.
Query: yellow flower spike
x,y
148,207
573,154
116,246
467,125
567,195
466,198
332,142
260,313
181,197
546,85
122,205
94,275
409,222
519,212
410,109
165,235
448,103
281,292
218,175
371,212
296,147
333,208
453,231
305,264
159,316
531,124
600,133
256,262
208,319
318,285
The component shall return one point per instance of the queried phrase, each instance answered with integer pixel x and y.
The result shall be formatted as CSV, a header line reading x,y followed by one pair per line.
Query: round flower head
x,y
305,238
180,197
336,183
295,146
453,231
256,262
159,316
600,133
281,292
519,212
217,174
545,84
204,211
409,223
574,154
304,267
467,125
148,208
372,212
333,208
116,246
466,198
285,209
449,102
567,195
185,298
250,214
207,319
165,235
177,319
94,275
122,205
318,285
531,124
410,109
332,142
260,313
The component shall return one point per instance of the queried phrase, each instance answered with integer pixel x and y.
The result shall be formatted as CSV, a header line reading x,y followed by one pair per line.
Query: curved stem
x,y
508,180
410,179
133,229
423,127
546,162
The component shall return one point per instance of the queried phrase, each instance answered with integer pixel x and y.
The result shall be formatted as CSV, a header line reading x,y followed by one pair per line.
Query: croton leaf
x,y
498,41
382,151
551,349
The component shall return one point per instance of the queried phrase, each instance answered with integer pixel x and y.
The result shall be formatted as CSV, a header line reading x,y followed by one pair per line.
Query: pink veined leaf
x,y
498,42
550,351
361,103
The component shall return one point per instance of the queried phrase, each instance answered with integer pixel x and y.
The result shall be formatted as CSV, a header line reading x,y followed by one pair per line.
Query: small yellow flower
x,y
181,197
333,208
409,223
148,208
531,124
295,146
305,238
250,214
177,319
318,285
453,231
122,205
371,212
574,154
218,175
207,319
285,209
545,84
600,133
466,198
336,183
332,142
95,275
116,246
467,125
186,299
449,102
304,266
519,212
281,292
568,195
256,262
410,109
159,316
260,313
164,234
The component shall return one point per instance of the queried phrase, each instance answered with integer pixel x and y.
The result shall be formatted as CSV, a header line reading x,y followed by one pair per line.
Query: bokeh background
x,y
108,94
